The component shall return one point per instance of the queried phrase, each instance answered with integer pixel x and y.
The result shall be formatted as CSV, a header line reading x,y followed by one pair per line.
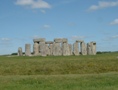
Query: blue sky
x,y
88,20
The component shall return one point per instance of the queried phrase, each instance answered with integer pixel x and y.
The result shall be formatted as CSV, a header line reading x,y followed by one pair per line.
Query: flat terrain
x,y
98,72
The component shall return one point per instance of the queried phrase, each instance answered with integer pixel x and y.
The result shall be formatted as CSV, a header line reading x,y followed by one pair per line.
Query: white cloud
x,y
115,22
5,42
72,24
114,37
111,38
35,37
43,11
24,2
103,4
46,26
5,39
34,4
40,4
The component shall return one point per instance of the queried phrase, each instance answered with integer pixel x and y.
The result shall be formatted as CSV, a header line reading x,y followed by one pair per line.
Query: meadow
x,y
98,72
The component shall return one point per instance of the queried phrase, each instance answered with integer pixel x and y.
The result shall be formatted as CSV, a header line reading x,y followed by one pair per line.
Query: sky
x,y
21,21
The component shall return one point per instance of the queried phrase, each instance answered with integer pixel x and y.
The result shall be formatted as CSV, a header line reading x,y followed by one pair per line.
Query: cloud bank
x,y
103,4
115,22
34,4
46,26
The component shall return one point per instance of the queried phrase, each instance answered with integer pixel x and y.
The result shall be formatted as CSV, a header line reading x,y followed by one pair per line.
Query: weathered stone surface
x,y
70,49
39,40
36,49
27,50
20,51
89,49
42,49
49,42
65,49
65,40
75,48
58,40
83,48
93,47
51,49
57,50
47,50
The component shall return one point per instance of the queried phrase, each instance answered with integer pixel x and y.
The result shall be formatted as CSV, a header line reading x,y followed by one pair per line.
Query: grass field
x,y
98,72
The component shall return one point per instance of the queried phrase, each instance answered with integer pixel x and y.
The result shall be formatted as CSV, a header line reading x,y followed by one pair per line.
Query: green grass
x,y
98,72
108,81
58,65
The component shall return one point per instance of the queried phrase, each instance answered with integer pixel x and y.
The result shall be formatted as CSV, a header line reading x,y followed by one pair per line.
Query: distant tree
x,y
99,52
14,54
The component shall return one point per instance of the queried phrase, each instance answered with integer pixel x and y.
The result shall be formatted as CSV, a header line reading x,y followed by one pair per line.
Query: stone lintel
x,y
81,41
64,40
49,42
93,42
58,40
39,40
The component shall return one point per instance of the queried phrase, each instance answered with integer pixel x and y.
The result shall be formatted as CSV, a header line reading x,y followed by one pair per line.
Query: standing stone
x,y
47,50
27,50
83,48
93,47
70,49
65,47
57,51
36,49
75,49
51,49
89,49
43,49
20,51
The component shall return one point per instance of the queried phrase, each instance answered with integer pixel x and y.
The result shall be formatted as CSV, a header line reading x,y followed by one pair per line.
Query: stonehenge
x,y
58,47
